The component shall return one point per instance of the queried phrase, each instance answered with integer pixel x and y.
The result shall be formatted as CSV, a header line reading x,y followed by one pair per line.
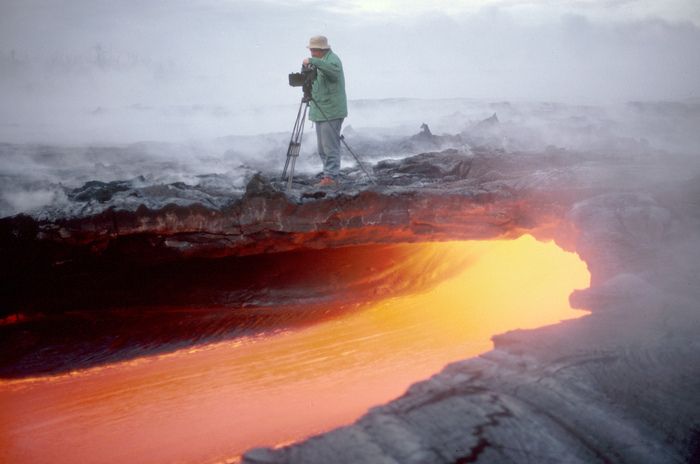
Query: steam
x,y
98,71
168,92
18,201
39,178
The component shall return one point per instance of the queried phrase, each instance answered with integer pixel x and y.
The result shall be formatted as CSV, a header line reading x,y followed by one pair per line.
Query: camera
x,y
304,79
306,76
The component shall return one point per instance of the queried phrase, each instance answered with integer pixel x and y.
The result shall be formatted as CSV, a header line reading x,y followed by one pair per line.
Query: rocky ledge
x,y
620,385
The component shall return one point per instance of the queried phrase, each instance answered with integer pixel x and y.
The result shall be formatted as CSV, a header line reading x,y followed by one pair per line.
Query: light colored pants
x,y
328,136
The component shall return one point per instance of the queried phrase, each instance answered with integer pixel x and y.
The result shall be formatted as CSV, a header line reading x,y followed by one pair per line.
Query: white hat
x,y
319,41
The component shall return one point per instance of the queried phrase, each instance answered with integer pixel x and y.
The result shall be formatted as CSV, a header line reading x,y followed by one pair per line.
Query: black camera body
x,y
304,79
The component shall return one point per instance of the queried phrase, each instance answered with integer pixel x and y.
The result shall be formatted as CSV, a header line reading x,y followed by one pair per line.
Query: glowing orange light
x,y
210,403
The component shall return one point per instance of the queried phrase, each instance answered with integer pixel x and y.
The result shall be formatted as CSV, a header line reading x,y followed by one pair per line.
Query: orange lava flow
x,y
210,403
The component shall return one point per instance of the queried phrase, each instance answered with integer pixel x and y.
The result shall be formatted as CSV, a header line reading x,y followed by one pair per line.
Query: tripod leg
x,y
294,139
286,165
291,176
295,143
359,163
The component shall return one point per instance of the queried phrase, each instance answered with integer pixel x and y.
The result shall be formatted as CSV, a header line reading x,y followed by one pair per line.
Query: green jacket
x,y
328,90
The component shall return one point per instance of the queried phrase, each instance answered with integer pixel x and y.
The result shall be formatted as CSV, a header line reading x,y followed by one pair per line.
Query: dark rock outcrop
x,y
441,193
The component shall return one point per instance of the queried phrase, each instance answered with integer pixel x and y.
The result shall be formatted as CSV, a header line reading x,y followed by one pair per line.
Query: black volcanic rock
x,y
447,165
260,186
488,123
100,191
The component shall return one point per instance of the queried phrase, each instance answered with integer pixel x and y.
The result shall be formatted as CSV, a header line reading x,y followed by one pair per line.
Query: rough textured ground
x,y
620,385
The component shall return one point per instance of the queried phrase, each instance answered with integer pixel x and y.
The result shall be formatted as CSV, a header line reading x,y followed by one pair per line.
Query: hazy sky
x,y
61,54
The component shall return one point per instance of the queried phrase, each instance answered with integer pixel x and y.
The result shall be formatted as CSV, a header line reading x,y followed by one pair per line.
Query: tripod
x,y
295,142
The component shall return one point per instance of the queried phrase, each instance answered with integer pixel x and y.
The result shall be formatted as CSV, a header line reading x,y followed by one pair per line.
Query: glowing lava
x,y
210,403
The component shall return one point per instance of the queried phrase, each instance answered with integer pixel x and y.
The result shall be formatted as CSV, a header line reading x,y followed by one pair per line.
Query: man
x,y
329,106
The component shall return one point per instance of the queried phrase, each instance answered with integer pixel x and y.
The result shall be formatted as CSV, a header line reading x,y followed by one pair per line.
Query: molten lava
x,y
211,402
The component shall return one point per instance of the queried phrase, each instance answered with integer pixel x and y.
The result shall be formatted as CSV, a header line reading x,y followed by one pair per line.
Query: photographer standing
x,y
329,106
